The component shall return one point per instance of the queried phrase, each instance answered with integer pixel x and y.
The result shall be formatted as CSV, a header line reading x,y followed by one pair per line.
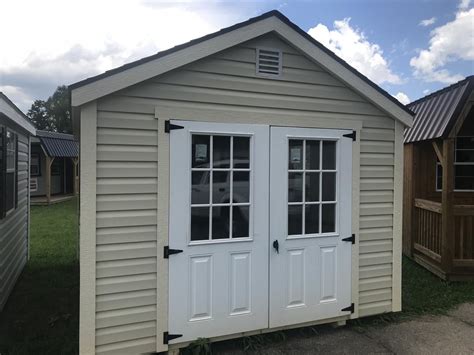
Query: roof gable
x,y
10,110
436,114
273,21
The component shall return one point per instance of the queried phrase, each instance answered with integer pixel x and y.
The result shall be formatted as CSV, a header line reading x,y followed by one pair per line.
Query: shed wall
x,y
127,151
14,228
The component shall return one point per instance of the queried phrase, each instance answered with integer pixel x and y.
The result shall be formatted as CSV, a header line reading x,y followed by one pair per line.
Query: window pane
x,y
10,192
199,223
200,187
312,155
242,152
311,219
295,154
465,143
220,222
329,155
241,186
220,187
312,187
464,183
439,177
221,151
329,186
465,156
240,221
11,151
295,187
200,151
328,218
295,220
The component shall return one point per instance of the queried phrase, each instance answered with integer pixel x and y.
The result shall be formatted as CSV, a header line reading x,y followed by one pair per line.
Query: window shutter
x,y
269,62
16,171
2,170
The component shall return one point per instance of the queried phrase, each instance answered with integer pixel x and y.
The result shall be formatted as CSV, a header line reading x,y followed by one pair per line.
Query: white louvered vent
x,y
268,62
33,184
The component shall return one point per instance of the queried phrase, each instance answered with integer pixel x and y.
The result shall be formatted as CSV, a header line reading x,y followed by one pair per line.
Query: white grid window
x,y
312,187
220,187
463,166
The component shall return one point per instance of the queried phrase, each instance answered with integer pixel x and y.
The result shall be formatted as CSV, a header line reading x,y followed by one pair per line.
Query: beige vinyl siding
x,y
126,232
14,229
127,174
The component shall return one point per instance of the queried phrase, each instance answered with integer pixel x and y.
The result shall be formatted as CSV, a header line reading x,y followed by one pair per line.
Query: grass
x,y
41,315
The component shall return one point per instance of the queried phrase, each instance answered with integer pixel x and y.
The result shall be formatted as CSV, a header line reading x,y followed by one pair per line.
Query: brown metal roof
x,y
436,113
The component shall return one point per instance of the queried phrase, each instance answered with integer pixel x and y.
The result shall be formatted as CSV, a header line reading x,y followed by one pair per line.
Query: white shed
x,y
15,135
246,181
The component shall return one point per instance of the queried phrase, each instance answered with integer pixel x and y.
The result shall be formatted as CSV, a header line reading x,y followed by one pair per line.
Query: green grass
x,y
41,315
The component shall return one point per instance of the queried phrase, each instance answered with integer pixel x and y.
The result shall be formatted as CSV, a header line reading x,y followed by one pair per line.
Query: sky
x,y
408,47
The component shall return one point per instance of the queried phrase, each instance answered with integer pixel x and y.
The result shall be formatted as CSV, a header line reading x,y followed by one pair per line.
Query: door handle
x,y
276,246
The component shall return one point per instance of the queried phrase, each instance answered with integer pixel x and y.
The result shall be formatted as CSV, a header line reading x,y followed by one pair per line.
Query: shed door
x,y
310,214
219,218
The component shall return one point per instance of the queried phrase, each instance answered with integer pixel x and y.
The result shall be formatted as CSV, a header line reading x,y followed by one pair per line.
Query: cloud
x,y
67,41
450,42
428,22
402,97
351,45
464,4
426,91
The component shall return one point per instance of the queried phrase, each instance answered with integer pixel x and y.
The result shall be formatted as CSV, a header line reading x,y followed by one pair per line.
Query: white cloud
x,y
402,97
66,41
426,91
428,22
464,4
450,42
352,45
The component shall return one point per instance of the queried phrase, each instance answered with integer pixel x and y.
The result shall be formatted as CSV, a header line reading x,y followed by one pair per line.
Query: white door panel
x,y
219,217
310,214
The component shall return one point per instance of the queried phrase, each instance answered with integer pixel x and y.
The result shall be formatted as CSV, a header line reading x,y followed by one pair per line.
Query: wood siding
x,y
14,228
127,150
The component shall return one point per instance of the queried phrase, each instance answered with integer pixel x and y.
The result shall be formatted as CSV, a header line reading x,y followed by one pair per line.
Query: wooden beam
x,y
447,199
49,163
437,150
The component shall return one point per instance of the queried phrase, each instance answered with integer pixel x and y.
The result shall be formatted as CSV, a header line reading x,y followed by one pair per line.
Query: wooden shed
x,y
244,182
439,182
54,163
15,133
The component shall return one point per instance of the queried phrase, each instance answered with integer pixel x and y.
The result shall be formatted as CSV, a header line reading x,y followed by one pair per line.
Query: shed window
x,y
463,166
9,168
35,165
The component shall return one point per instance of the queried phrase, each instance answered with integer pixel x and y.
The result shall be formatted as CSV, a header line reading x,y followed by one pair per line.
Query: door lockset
x,y
276,246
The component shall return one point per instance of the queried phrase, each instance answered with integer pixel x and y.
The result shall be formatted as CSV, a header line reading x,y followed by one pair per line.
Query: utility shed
x,y
438,229
15,133
243,182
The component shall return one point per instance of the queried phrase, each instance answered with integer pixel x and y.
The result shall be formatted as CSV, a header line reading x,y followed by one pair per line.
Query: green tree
x,y
54,113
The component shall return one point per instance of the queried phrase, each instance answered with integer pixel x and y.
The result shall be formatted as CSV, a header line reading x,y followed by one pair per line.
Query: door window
x,y
312,188
220,187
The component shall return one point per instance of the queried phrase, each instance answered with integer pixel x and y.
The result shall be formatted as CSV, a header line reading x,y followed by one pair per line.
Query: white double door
x,y
258,215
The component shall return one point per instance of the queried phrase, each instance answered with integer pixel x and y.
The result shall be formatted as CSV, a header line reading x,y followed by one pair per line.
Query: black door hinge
x,y
167,252
349,309
351,239
167,337
352,135
169,126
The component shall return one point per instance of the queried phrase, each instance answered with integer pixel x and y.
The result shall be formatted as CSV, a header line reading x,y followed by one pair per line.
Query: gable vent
x,y
268,62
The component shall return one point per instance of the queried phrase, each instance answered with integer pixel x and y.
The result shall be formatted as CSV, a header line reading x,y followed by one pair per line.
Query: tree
x,y
52,114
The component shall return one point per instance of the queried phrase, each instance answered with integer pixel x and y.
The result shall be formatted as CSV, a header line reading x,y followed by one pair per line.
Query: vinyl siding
x,y
127,175
14,229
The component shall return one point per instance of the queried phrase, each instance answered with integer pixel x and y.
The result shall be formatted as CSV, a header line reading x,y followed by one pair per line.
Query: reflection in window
x,y
220,191
312,192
